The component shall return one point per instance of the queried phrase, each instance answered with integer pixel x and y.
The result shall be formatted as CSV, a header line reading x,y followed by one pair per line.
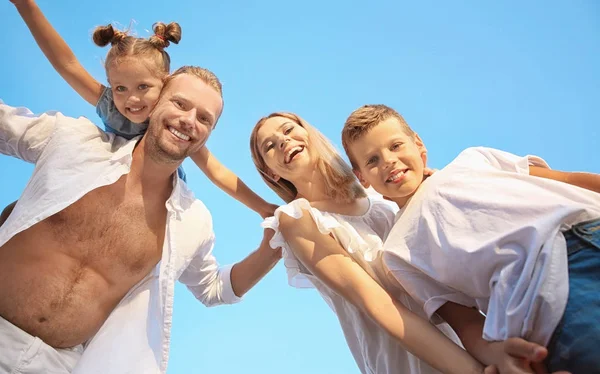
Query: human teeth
x,y
178,134
395,176
289,154
135,109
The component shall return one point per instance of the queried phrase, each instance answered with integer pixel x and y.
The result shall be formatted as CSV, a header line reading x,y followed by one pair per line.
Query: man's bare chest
x,y
111,228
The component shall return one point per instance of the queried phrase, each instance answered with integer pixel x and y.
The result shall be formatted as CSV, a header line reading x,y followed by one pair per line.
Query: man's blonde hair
x,y
341,184
363,119
205,75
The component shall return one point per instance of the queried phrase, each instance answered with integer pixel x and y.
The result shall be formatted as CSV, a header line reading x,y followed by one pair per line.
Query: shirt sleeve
x,y
428,292
208,282
23,134
114,121
504,161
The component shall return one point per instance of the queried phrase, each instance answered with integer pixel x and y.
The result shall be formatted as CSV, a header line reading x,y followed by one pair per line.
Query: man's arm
x,y
246,273
588,181
23,134
329,262
214,285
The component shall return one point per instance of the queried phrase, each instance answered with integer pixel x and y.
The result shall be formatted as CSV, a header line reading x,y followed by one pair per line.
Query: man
x,y
79,254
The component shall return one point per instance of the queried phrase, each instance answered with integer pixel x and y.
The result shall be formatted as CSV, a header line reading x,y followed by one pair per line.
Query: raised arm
x,y
227,181
23,134
588,181
329,262
213,285
58,52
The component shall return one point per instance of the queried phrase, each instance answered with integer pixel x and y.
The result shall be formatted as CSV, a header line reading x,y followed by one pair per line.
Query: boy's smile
x,y
390,160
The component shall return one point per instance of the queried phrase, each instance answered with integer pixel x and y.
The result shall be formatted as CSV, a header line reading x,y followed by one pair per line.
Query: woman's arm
x,y
588,181
329,262
58,52
227,181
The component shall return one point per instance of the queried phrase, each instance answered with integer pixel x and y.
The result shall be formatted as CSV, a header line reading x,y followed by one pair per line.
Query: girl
x,y
332,233
135,68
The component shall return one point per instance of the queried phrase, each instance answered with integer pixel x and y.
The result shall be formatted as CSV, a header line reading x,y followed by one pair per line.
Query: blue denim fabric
x,y
574,346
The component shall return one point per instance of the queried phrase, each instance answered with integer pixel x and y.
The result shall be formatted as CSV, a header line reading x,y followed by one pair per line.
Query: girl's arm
x,y
227,181
329,262
58,52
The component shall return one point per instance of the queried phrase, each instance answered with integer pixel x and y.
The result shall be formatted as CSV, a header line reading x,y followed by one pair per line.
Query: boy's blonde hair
x,y
363,119
153,48
340,183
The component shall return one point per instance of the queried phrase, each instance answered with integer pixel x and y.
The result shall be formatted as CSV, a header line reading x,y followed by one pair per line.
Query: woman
x,y
331,232
335,249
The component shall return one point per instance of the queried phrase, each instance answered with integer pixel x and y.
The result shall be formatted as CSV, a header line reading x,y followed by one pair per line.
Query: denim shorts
x,y
575,344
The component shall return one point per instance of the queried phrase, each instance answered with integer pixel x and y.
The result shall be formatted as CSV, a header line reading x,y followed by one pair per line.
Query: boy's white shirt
x,y
374,350
484,233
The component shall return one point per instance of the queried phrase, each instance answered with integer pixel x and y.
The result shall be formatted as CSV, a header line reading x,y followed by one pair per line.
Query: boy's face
x,y
390,161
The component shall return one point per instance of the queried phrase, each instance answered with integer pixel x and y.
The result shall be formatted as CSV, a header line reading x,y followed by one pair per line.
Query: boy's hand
x,y
428,171
269,211
518,356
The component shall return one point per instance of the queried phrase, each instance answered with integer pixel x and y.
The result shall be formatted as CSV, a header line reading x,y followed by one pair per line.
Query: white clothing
x,y
484,233
374,350
21,353
73,157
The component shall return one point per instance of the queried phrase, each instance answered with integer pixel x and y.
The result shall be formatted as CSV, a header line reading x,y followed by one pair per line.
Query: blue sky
x,y
520,76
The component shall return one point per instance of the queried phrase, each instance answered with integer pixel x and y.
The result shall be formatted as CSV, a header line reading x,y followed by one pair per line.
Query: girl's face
x,y
284,146
135,88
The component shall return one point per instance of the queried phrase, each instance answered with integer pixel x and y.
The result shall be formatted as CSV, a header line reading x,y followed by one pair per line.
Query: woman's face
x,y
284,146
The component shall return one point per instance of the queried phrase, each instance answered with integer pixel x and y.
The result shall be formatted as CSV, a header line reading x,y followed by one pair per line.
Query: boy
x,y
490,232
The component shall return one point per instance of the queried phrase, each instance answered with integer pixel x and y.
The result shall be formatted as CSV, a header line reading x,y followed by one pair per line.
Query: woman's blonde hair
x,y
340,183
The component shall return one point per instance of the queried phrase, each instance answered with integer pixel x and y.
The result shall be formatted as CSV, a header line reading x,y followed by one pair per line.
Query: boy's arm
x,y
514,355
227,181
588,181
329,262
58,52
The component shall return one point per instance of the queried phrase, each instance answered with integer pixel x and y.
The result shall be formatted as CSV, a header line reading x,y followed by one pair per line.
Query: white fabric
x,y
72,157
362,236
21,353
482,232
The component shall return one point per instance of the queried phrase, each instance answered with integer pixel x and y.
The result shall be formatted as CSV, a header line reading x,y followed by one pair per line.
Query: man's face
x,y
183,118
390,160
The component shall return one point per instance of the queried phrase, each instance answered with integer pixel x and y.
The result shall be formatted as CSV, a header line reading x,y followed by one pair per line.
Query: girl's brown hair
x,y
153,48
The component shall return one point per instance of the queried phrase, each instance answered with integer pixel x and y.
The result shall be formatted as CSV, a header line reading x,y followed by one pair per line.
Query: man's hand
x,y
264,244
518,356
269,211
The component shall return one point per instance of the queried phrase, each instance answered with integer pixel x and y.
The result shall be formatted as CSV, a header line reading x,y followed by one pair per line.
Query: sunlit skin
x,y
62,277
284,145
181,124
135,87
390,160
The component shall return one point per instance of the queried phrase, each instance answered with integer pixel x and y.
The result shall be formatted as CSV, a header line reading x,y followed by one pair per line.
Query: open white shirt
x,y
484,233
374,350
73,157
